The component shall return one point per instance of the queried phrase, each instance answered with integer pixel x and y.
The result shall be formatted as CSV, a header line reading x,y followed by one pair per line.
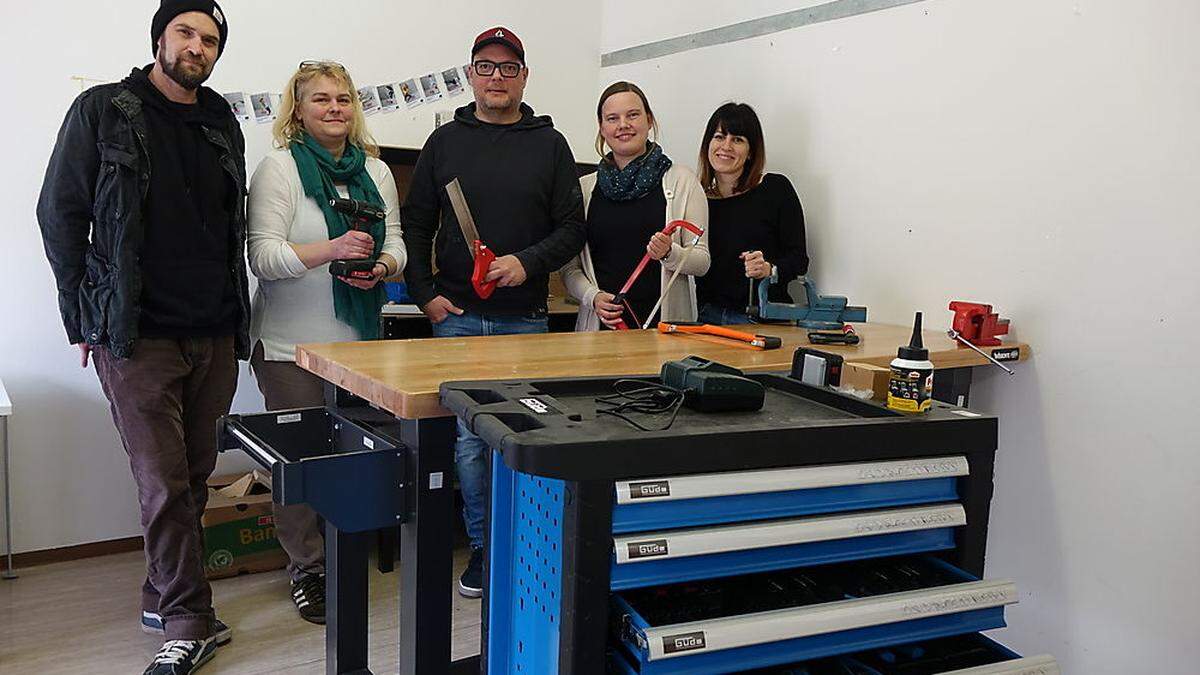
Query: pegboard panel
x,y
537,573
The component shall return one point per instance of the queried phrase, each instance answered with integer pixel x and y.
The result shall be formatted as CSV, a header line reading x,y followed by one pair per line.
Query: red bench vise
x,y
977,323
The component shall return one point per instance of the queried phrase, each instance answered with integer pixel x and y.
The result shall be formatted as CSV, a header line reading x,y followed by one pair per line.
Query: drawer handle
x,y
253,447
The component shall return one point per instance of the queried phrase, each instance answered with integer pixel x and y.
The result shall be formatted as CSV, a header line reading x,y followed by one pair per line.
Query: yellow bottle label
x,y
910,390
907,404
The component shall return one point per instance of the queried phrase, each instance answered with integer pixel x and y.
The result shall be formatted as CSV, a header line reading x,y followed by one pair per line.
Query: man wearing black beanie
x,y
143,220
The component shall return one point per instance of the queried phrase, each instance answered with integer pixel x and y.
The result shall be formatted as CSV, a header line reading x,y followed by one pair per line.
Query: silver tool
x,y
954,335
465,221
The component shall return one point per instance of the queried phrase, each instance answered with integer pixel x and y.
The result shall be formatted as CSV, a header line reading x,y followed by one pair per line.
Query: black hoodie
x,y
187,288
520,183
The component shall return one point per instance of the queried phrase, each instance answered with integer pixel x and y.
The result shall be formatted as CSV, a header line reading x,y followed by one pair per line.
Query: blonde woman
x,y
323,151
634,193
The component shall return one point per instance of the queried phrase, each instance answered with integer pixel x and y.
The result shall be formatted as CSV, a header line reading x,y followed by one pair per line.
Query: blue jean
x,y
720,316
471,454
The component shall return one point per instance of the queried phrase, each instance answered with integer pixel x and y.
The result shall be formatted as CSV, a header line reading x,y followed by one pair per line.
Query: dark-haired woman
x,y
756,222
634,193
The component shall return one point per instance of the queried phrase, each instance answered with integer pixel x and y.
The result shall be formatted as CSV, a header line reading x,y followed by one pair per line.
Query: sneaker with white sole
x,y
181,657
470,584
152,623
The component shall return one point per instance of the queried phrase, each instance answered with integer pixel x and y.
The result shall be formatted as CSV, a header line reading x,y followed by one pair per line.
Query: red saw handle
x,y
670,228
483,260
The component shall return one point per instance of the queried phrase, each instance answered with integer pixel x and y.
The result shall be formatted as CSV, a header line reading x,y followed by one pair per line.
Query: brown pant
x,y
165,401
285,385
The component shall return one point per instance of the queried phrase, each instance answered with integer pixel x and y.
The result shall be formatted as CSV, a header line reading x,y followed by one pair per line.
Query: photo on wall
x,y
453,81
264,107
430,88
387,97
370,99
411,94
237,103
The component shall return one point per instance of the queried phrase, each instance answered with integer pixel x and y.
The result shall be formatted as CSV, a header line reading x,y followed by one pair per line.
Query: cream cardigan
x,y
293,303
685,201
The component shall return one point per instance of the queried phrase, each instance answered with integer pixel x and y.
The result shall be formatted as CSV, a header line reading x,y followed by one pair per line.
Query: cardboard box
x,y
860,378
239,527
557,288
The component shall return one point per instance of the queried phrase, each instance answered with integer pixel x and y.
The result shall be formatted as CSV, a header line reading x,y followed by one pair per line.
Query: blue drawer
x,y
662,557
316,456
685,501
971,654
809,613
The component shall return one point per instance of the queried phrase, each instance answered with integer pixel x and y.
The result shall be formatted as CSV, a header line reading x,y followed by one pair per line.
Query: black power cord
x,y
643,397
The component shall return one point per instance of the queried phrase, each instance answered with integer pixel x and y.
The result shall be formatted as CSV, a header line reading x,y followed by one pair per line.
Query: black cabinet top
x,y
552,428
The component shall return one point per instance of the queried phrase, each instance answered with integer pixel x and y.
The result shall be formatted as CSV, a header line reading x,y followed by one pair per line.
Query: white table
x,y
5,413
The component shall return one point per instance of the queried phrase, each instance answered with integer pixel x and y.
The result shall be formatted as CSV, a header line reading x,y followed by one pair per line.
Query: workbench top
x,y
403,376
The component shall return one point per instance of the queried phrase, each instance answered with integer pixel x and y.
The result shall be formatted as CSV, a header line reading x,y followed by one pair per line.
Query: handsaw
x,y
481,255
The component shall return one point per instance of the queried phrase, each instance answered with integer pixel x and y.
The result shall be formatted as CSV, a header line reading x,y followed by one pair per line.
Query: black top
x,y
617,234
187,283
521,186
766,218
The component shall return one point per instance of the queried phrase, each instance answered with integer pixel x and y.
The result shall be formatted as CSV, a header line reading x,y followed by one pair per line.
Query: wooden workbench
x,y
403,376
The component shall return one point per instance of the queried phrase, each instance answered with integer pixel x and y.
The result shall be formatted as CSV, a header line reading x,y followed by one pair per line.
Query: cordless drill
x,y
360,213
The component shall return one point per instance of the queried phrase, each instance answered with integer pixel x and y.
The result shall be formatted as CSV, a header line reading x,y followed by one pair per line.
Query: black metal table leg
x,y
953,386
385,549
426,547
345,602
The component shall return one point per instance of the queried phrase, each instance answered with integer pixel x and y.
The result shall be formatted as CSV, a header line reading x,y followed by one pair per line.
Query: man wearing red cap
x,y
518,176
143,219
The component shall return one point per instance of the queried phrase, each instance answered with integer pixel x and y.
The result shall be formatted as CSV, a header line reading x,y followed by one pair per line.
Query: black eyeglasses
x,y
508,69
317,65
310,65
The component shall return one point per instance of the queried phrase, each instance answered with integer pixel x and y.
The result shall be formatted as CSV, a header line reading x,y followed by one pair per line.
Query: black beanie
x,y
173,8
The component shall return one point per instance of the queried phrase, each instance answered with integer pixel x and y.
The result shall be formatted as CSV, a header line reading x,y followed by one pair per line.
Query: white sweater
x,y
294,304
685,201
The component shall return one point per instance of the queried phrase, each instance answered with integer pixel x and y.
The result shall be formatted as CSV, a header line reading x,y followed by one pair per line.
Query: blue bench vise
x,y
820,312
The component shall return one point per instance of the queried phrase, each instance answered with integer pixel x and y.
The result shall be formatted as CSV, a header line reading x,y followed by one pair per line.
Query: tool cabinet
x,y
819,529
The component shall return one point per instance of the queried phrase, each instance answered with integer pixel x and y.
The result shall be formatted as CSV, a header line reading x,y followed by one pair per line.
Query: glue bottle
x,y
910,387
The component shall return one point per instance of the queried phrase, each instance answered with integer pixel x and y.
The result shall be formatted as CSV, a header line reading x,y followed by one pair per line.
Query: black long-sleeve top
x,y
766,218
521,186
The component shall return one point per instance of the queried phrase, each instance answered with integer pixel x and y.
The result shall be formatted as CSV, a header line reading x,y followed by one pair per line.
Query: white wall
x,y
1041,156
71,481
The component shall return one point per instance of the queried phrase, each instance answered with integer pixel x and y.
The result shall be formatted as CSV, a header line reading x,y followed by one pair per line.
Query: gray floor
x,y
82,617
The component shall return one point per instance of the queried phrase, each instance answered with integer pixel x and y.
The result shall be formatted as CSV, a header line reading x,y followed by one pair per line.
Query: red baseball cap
x,y
499,36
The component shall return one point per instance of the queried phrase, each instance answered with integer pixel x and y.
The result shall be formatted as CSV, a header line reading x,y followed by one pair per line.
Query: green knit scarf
x,y
318,173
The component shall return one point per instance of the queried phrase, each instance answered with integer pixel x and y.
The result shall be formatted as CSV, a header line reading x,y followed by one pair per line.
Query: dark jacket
x,y
521,185
96,184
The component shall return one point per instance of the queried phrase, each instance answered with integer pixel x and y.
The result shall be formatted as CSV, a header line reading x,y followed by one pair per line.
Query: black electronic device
x,y
709,386
817,368
843,338
353,269
675,373
359,212
358,209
